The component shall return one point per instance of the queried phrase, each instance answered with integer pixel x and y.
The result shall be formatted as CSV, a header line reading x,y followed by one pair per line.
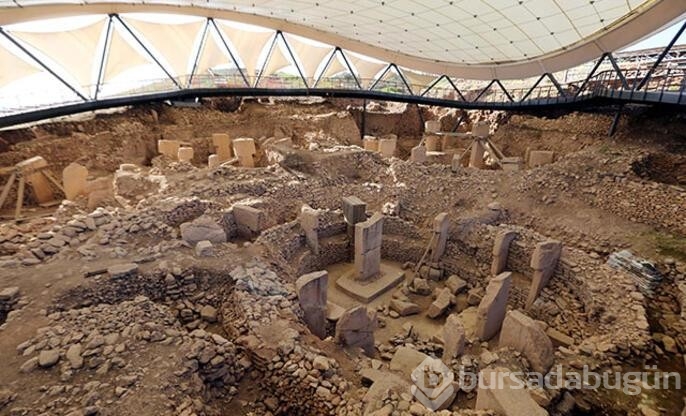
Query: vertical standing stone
x,y
309,221
501,249
368,236
311,289
476,159
481,129
456,163
213,161
441,225
453,338
249,220
244,149
370,143
169,148
491,311
418,154
387,147
432,126
74,180
185,154
543,261
222,146
433,142
356,328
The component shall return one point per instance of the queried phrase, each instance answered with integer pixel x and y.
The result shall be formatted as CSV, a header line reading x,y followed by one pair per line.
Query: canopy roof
x,y
472,39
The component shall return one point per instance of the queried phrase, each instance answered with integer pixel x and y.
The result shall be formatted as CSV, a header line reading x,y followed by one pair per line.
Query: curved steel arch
x,y
651,17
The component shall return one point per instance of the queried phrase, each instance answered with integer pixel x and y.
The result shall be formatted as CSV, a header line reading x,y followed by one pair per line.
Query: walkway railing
x,y
608,87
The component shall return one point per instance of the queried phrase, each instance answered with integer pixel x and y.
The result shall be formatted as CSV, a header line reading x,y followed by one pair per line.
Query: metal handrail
x,y
605,84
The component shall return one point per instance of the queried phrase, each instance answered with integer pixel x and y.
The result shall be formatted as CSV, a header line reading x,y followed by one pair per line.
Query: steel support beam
x,y
105,48
402,77
459,121
664,53
203,40
145,48
619,72
226,46
43,65
591,74
615,121
350,68
266,61
295,61
380,77
326,66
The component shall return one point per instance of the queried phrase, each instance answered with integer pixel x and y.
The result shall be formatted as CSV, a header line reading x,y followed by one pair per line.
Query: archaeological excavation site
x,y
375,208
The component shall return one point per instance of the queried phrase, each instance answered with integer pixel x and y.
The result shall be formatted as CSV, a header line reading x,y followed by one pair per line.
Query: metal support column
x,y
363,122
459,121
615,121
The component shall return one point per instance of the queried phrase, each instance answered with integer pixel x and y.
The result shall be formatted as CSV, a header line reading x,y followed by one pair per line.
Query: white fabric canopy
x,y
176,43
76,51
13,67
121,56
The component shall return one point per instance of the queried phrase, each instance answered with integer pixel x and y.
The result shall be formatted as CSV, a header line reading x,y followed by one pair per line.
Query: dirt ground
x,y
600,195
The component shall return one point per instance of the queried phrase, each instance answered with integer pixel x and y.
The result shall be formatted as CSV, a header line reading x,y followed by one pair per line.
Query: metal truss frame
x,y
42,64
610,91
145,48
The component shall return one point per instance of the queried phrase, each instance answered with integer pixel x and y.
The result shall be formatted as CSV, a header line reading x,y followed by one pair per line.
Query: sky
x,y
661,38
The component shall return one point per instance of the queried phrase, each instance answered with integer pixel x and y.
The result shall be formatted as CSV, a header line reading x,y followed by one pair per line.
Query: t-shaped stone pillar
x,y
368,236
441,225
311,289
169,148
491,311
476,159
74,180
501,249
222,146
354,211
309,221
543,261
185,154
244,149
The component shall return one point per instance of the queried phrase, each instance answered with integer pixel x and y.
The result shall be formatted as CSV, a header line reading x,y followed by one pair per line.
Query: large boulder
x,y
526,336
202,228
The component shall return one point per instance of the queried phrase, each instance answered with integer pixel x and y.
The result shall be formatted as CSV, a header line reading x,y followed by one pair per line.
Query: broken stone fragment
x,y
455,284
441,304
120,271
204,248
202,228
404,308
